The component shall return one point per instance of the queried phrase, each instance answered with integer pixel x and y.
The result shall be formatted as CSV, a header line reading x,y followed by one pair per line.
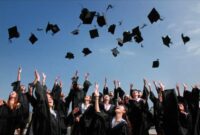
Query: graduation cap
x,y
94,33
154,16
185,38
75,32
52,27
86,16
86,51
33,38
101,21
13,32
69,55
155,64
115,52
111,28
167,40
120,42
127,36
136,33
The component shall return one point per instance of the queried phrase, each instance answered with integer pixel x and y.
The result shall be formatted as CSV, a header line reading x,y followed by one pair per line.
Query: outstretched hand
x,y
86,76
96,90
162,86
19,69
37,76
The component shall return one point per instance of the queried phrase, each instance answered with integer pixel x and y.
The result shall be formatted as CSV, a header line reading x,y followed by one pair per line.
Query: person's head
x,y
126,98
181,107
106,98
111,94
23,88
87,99
13,100
139,93
120,109
135,94
50,100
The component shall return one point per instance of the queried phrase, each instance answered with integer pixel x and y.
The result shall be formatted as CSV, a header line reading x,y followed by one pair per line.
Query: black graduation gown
x,y
9,120
185,123
120,129
42,123
158,113
60,107
171,118
138,118
108,116
192,99
23,99
76,96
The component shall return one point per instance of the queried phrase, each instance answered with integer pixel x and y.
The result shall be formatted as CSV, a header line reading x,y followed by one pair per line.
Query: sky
x,y
179,63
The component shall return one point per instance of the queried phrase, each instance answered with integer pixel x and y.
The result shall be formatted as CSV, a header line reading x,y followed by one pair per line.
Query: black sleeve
x,y
68,99
152,97
145,93
16,86
42,103
86,86
105,91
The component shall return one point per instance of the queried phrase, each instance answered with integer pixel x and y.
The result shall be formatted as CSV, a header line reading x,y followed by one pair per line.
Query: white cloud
x,y
127,53
194,48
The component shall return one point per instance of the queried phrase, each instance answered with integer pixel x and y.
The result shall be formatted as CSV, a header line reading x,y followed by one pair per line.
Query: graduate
x,y
77,92
118,124
23,99
158,109
45,120
10,114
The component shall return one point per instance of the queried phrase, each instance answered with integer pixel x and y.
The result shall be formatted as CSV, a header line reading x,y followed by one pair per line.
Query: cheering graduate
x,y
23,99
45,120
10,114
158,109
119,125
77,92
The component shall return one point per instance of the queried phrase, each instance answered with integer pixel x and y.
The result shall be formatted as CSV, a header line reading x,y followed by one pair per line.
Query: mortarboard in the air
x,y
120,42
111,28
127,36
101,20
185,38
33,38
136,33
75,32
115,52
94,33
55,29
13,32
167,40
69,55
154,16
87,16
156,64
52,27
86,51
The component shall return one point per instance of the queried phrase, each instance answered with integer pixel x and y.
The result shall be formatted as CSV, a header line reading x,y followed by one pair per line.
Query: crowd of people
x,y
110,112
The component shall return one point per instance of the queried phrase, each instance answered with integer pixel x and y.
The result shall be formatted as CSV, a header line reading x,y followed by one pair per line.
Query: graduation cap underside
x,y
87,16
115,51
101,21
52,27
13,32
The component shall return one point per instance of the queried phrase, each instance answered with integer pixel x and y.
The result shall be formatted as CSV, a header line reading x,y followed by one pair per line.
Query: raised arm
x,y
86,84
178,89
96,94
19,74
105,88
145,90
44,79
